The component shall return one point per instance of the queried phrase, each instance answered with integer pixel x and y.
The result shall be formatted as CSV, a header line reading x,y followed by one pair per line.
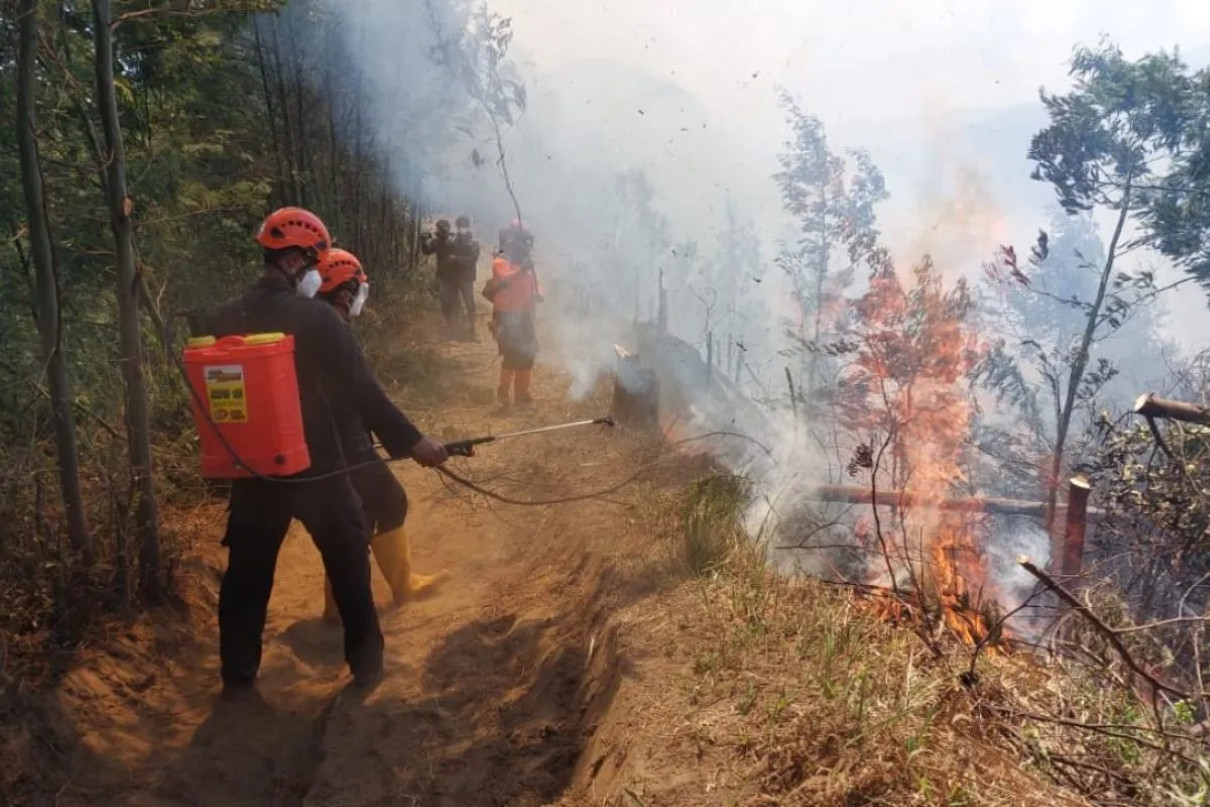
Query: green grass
x,y
711,513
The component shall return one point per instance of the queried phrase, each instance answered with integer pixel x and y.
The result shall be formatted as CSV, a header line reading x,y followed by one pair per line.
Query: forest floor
x,y
569,658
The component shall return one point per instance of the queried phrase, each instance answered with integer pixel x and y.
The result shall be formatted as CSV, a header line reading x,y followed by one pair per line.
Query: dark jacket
x,y
466,257
334,378
356,437
444,248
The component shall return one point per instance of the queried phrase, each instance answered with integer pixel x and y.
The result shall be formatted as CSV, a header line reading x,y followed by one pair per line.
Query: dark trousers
x,y
259,516
517,339
458,293
384,502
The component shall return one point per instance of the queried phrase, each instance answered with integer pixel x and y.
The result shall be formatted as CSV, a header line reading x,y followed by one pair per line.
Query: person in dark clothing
x,y
451,253
384,503
332,374
466,261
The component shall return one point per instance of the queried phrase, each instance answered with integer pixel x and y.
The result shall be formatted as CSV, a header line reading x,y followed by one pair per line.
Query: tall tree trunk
x,y
48,313
261,57
283,106
417,220
821,278
306,175
336,209
1080,363
359,164
138,422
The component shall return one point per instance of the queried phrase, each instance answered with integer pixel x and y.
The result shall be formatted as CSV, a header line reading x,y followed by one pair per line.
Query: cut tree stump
x,y
1071,560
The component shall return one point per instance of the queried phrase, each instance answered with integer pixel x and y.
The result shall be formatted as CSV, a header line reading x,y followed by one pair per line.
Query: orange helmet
x,y
293,227
337,267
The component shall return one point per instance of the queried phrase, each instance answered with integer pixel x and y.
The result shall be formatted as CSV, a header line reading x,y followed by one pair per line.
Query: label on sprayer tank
x,y
225,393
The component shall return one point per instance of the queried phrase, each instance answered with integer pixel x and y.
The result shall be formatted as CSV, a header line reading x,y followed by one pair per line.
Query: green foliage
x,y
1115,128
1133,134
223,118
1041,314
712,509
833,208
1109,144
1158,515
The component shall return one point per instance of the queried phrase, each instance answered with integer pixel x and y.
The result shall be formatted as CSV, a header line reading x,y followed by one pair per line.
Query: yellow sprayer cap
x,y
263,338
201,341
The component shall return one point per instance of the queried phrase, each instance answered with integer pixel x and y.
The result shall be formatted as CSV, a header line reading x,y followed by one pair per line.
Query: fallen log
x,y
895,498
1150,405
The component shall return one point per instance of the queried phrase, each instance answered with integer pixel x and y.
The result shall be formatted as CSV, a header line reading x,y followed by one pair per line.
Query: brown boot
x,y
521,388
504,388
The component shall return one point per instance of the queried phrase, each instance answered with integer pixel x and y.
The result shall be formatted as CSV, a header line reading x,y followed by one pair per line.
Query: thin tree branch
x,y
1108,632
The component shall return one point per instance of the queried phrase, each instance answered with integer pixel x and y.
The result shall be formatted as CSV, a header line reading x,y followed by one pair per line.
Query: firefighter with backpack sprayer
x,y
331,373
346,287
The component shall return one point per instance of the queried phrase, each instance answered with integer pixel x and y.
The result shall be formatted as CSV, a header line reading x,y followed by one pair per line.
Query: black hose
x,y
296,480
299,480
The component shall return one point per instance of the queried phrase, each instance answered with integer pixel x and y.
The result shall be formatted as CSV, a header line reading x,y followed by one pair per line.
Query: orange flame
x,y
917,350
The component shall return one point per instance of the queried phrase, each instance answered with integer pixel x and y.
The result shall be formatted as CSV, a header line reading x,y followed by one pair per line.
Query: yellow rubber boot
x,y
331,612
394,559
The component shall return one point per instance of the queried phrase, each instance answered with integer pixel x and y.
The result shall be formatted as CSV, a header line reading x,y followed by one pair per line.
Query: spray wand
x,y
466,448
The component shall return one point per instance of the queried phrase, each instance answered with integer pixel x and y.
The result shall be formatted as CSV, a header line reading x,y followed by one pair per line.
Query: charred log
x,y
904,499
1151,406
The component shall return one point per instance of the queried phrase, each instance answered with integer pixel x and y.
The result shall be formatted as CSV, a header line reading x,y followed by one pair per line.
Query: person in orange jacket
x,y
513,291
346,287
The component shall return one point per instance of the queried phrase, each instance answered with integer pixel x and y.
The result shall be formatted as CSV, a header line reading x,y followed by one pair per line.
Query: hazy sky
x,y
852,58
899,78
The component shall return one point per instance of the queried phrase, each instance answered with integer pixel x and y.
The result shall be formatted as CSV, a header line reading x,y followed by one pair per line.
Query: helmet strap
x,y
292,262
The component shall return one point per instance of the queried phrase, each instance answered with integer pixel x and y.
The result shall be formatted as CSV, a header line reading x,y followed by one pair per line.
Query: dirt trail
x,y
493,682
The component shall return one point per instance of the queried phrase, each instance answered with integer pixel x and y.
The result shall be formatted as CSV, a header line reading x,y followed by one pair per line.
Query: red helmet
x,y
294,227
337,267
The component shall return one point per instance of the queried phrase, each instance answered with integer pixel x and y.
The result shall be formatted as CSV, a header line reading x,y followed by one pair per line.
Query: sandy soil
x,y
495,683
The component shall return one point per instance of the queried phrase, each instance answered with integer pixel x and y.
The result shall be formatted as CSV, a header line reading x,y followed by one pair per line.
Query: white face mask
x,y
363,294
310,283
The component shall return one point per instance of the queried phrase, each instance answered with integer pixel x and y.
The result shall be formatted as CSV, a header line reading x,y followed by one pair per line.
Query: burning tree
x,y
906,393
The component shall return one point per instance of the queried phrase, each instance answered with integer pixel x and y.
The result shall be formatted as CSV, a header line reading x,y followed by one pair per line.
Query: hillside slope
x,y
570,657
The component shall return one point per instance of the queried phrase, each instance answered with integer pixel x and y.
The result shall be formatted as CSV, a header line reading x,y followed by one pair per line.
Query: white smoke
x,y
686,102
1010,538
